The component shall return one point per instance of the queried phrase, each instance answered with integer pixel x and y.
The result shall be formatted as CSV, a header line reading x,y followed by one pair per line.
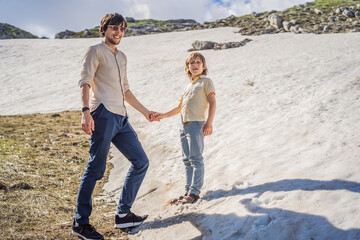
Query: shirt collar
x,y
197,78
112,50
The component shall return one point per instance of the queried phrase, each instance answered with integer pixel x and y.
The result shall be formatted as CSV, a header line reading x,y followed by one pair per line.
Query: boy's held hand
x,y
154,116
207,129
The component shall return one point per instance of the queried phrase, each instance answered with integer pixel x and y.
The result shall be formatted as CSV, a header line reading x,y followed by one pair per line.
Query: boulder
x,y
65,34
353,9
296,29
348,13
267,31
130,19
202,45
275,21
287,26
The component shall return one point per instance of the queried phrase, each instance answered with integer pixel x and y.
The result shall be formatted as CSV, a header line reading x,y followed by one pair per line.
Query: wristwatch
x,y
85,109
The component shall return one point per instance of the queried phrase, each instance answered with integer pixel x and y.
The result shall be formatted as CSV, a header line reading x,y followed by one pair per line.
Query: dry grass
x,y
42,159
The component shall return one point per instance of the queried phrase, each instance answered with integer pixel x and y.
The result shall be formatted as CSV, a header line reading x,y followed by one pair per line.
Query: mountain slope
x,y
8,31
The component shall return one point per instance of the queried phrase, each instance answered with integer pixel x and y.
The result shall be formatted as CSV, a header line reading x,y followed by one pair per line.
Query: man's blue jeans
x,y
110,127
192,142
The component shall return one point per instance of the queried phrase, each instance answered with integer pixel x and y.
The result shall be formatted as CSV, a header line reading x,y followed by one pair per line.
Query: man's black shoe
x,y
130,220
86,232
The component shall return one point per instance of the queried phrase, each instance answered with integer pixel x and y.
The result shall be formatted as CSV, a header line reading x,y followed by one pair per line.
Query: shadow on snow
x,y
286,185
265,223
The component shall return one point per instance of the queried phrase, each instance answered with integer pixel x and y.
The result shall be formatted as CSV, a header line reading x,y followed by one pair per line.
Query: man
x,y
105,119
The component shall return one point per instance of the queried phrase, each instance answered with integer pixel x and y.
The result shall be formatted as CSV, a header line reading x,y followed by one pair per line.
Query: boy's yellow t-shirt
x,y
194,99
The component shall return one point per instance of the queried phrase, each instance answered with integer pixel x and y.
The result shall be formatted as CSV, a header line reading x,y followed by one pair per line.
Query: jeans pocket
x,y
200,124
96,113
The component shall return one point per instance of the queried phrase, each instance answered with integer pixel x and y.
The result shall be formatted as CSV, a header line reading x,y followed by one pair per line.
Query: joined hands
x,y
155,116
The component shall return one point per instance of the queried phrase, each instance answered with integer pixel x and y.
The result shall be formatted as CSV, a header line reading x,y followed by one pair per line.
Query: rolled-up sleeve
x,y
90,65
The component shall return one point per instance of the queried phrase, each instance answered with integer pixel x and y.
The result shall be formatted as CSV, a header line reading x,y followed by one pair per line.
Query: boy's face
x,y
196,67
114,34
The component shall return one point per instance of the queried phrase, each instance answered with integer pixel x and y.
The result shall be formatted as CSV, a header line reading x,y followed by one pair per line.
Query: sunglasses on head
x,y
115,28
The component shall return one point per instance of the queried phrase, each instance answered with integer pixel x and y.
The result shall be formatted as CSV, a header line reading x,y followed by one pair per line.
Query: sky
x,y
48,17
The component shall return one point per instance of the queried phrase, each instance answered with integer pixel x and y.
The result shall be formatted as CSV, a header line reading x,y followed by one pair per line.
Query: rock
x,y
87,33
357,14
338,11
333,19
287,26
348,13
275,21
202,45
255,14
135,26
65,34
327,29
182,21
267,31
353,9
230,18
22,185
130,19
342,9
296,29
319,12
3,186
8,31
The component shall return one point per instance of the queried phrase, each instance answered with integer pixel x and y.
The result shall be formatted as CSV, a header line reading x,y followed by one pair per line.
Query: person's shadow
x,y
264,223
286,185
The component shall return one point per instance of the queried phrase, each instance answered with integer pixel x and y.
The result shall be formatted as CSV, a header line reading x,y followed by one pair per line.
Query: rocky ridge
x,y
137,27
320,16
8,31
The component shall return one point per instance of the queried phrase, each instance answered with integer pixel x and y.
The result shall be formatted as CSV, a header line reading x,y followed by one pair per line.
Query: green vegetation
x,y
42,159
8,31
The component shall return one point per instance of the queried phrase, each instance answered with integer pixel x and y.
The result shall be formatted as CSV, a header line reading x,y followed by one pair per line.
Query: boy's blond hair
x,y
192,57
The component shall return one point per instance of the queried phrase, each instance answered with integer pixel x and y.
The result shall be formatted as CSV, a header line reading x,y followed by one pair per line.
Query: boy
x,y
199,97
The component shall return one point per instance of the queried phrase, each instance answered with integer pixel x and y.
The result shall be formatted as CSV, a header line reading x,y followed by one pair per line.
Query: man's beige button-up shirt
x,y
104,70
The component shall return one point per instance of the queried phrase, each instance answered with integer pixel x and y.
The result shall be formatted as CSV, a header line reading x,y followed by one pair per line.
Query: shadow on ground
x,y
286,185
264,223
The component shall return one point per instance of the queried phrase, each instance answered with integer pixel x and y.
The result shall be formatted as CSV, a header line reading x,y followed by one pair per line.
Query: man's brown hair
x,y
112,19
192,57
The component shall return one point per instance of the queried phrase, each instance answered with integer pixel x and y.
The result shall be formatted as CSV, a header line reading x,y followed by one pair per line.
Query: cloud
x,y
39,30
223,8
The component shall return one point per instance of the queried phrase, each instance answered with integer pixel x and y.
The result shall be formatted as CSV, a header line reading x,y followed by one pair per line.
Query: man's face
x,y
114,34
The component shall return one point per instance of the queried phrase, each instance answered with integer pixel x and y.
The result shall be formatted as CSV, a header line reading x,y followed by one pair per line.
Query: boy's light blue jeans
x,y
192,142
111,127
